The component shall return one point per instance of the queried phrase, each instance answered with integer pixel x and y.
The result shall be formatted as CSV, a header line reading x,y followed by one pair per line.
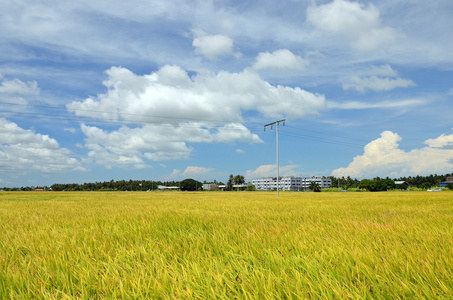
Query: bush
x,y
425,185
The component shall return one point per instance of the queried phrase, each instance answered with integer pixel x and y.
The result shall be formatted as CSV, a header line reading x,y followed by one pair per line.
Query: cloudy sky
x,y
168,90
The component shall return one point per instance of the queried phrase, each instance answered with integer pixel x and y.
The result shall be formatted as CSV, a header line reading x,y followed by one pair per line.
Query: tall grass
x,y
226,245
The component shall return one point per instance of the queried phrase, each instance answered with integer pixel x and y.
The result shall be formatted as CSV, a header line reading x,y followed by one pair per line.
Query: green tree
x,y
229,185
239,179
189,184
365,184
314,186
425,185
388,184
251,187
377,186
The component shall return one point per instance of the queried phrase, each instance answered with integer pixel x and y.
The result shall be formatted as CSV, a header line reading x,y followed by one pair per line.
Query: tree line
x,y
375,184
378,183
121,185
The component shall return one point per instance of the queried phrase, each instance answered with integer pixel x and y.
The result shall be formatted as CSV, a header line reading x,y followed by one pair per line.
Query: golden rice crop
x,y
223,245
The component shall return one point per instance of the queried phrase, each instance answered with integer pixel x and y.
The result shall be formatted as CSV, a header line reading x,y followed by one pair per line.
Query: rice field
x,y
226,245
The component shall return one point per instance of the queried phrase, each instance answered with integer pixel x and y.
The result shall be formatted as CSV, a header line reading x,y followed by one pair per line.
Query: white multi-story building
x,y
289,183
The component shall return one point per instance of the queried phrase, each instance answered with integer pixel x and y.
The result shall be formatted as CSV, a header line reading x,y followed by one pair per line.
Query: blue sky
x,y
168,90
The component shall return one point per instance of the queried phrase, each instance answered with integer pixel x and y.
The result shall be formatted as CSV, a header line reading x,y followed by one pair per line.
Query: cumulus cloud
x,y
17,86
23,150
279,59
214,46
441,142
173,109
16,91
382,78
235,132
360,25
271,171
131,147
128,147
170,92
382,157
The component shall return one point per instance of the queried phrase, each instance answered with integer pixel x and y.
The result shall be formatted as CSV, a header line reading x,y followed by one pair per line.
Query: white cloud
x,y
271,171
279,59
196,170
23,150
15,100
382,157
240,151
17,86
171,93
129,147
359,25
383,70
377,81
191,171
71,130
214,46
175,109
440,142
174,174
235,132
382,104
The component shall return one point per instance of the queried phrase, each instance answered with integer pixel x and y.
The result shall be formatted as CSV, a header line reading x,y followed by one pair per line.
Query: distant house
x,y
290,183
167,188
210,187
445,183
240,187
401,185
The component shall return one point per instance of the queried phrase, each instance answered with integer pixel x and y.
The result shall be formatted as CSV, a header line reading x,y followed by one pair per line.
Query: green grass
x,y
94,245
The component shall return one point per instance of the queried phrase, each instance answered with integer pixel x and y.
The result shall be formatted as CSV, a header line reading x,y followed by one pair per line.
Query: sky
x,y
94,91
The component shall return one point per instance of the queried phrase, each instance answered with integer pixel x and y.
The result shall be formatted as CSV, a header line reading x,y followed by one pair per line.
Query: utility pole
x,y
278,168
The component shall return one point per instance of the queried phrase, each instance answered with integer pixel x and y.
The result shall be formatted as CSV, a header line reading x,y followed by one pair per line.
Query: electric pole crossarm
x,y
276,122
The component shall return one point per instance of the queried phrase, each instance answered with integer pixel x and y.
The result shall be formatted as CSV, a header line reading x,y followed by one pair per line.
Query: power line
x,y
326,133
120,114
299,132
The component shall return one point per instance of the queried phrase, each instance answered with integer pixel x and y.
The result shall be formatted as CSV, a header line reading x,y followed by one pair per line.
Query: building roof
x,y
400,182
162,187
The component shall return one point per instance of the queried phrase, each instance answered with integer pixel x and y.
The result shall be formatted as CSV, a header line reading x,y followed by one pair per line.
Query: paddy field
x,y
226,245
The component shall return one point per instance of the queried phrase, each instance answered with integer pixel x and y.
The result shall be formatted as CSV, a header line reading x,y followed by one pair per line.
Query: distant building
x,y
402,185
289,183
210,187
240,187
222,187
167,188
445,183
